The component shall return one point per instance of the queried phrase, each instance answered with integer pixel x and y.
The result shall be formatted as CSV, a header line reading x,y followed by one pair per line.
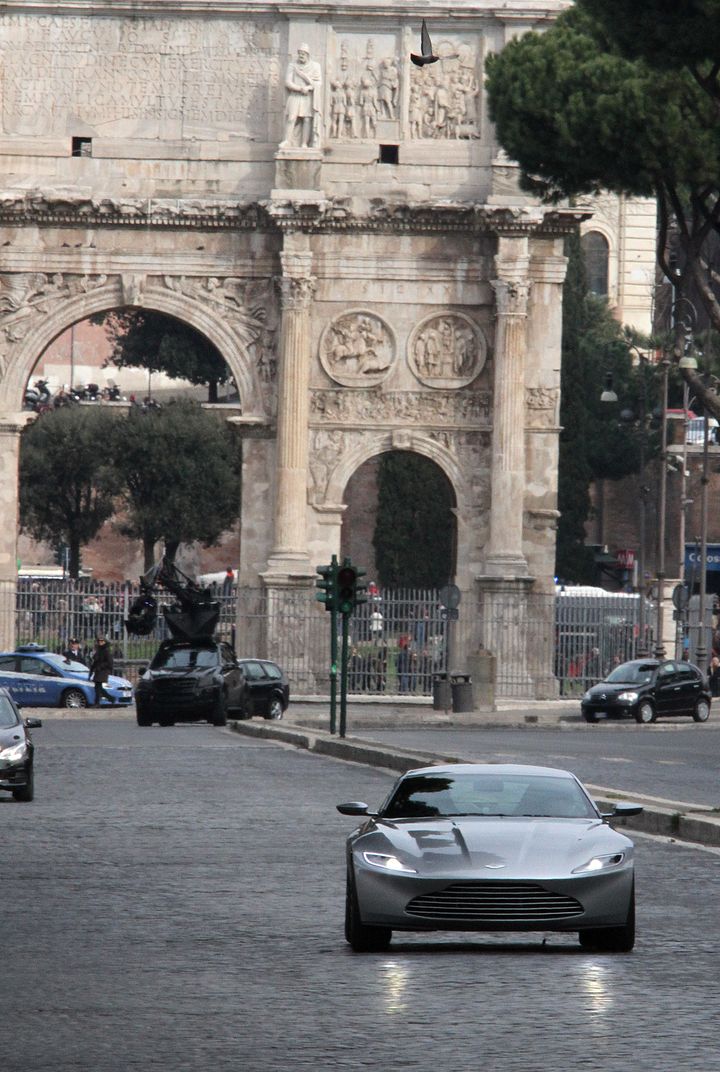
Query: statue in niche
x,y
357,349
447,351
443,97
303,114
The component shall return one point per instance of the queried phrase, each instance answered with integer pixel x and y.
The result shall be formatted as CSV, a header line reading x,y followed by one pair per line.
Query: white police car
x,y
35,677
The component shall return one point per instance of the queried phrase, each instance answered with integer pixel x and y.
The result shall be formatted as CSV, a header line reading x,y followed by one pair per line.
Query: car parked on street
x,y
196,680
16,750
267,691
489,847
36,677
648,689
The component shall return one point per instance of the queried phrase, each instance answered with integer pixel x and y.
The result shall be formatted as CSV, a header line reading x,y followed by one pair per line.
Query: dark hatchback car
x,y
188,681
16,750
649,689
267,691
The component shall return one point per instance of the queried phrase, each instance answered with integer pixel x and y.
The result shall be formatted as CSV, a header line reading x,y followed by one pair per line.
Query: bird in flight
x,y
426,52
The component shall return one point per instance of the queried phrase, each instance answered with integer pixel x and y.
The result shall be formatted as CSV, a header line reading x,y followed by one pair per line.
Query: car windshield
x,y
186,658
8,718
68,665
444,795
632,674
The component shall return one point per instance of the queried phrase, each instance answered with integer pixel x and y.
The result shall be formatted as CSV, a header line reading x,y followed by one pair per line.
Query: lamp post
x,y
662,503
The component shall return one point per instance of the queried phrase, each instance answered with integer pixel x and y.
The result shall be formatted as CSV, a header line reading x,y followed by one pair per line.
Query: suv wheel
x,y
219,715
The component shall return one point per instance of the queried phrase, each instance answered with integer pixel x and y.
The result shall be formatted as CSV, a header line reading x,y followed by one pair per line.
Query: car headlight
x,y
628,697
587,696
16,753
390,863
600,863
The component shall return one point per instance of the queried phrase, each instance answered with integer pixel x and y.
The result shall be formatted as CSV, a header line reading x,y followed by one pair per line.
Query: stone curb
x,y
694,823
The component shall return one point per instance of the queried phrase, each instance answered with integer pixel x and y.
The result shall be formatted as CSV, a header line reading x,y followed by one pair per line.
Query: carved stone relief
x,y
326,448
248,305
444,96
542,405
447,350
27,297
357,349
364,86
377,407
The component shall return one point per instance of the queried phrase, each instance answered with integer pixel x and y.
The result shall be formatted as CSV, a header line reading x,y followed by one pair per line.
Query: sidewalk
x,y
314,713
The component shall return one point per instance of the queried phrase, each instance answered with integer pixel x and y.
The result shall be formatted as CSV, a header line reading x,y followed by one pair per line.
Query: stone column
x,y
290,551
11,425
504,556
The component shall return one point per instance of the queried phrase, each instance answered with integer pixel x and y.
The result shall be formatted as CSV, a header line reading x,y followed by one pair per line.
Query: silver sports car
x,y
489,847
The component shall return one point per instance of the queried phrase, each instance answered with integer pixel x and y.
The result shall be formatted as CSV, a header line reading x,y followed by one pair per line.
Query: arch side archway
x,y
217,325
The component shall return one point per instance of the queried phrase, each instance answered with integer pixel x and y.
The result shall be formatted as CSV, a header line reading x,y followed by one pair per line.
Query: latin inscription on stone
x,y
138,78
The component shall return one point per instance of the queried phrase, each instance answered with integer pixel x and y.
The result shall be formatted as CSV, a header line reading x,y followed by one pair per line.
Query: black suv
x,y
190,680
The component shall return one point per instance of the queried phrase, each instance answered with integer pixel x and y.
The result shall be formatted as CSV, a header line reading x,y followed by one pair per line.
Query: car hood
x,y
12,735
485,846
611,689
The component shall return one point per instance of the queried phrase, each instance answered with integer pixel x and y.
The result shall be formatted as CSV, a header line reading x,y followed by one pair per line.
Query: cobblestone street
x,y
173,900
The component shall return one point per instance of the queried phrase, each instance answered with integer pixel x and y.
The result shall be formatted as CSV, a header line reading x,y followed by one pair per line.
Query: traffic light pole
x,y
333,669
343,674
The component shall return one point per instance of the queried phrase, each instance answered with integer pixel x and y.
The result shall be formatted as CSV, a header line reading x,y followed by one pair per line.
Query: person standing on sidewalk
x,y
101,667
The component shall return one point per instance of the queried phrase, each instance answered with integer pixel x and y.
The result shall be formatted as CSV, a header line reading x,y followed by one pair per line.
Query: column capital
x,y
511,296
296,292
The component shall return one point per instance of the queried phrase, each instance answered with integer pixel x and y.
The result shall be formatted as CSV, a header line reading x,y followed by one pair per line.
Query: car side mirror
x,y
33,723
621,811
141,669
355,807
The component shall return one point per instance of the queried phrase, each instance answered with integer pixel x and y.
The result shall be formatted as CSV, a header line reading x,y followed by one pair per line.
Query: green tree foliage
x,y
414,530
159,343
594,443
67,478
581,116
179,471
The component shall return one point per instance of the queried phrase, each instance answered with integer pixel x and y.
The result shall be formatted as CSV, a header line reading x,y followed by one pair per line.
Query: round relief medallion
x,y
447,350
357,349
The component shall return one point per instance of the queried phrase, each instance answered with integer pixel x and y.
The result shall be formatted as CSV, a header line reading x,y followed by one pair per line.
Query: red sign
x,y
626,557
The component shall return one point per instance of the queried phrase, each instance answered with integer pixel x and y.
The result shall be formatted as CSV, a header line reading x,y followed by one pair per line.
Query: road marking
x,y
616,759
671,762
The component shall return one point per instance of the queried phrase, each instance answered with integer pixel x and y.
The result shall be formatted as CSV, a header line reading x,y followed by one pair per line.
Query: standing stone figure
x,y
303,82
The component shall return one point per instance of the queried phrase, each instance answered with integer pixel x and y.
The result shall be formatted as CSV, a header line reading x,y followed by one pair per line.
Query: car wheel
x,y
73,698
143,718
360,937
702,711
219,715
27,793
275,710
645,713
612,939
590,716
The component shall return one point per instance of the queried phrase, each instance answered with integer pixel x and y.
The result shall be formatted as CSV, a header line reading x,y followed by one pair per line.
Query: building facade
x,y
338,222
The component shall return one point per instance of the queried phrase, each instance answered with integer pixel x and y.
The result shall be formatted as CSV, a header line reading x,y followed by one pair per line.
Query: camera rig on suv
x,y
194,614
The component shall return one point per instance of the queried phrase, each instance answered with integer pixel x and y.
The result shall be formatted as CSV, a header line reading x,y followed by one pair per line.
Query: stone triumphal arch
x,y
342,227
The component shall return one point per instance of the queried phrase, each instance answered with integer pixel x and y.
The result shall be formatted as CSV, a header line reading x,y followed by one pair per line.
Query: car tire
x,y
74,698
219,715
645,713
590,716
143,718
612,939
27,792
275,710
702,711
360,937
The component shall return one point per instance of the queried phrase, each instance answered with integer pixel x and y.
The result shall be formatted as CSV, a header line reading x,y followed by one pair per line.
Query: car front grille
x,y
178,687
494,902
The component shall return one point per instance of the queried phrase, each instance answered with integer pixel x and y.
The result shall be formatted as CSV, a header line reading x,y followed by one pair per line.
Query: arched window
x,y
596,255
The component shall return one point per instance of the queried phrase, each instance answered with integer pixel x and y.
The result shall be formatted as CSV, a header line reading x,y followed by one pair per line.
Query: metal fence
x,y
399,639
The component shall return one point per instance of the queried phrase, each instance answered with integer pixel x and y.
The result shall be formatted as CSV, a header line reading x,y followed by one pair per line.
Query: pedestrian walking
x,y
101,667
